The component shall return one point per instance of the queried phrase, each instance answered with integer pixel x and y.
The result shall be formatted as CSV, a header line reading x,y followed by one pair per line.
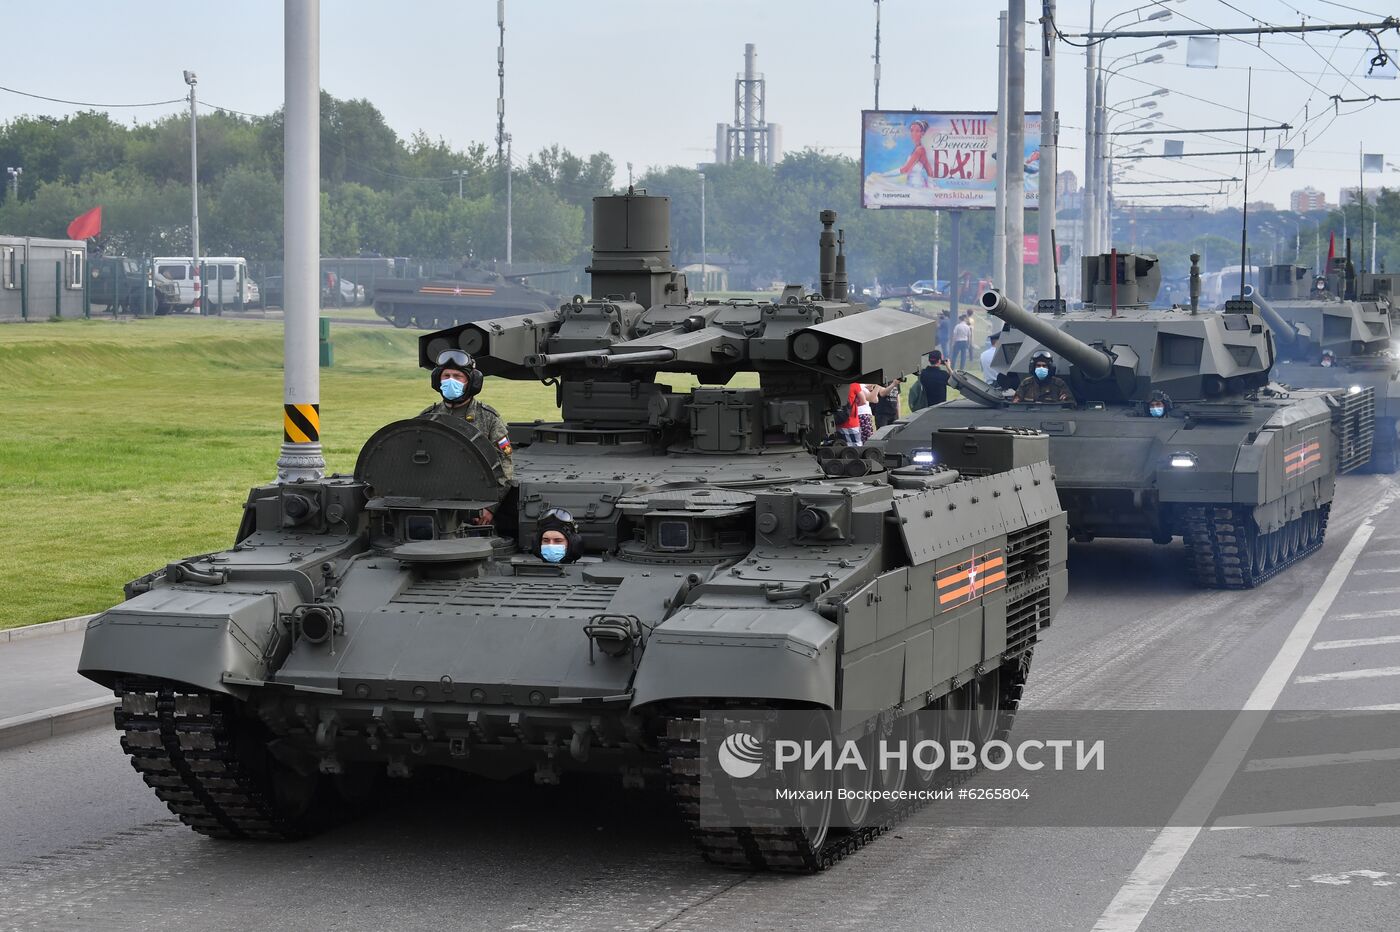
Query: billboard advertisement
x,y
942,159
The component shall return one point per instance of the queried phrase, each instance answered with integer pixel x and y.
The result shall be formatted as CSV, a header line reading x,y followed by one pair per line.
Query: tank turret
x,y
1122,359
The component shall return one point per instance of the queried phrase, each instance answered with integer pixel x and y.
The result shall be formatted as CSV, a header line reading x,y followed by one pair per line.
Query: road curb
x,y
51,723
44,629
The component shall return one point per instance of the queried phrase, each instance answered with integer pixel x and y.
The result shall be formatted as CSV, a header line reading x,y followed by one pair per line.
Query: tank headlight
x,y
1354,390
1183,461
923,458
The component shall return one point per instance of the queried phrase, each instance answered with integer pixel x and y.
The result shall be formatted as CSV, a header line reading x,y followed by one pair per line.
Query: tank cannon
x,y
1175,429
728,556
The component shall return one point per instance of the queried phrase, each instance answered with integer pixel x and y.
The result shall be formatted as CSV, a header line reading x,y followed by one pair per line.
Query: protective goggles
x,y
558,514
455,358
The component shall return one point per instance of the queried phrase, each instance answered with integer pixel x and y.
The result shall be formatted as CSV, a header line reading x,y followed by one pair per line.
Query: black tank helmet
x,y
463,362
1043,356
557,519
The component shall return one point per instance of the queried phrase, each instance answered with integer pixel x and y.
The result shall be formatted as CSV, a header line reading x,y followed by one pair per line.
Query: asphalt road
x,y
85,844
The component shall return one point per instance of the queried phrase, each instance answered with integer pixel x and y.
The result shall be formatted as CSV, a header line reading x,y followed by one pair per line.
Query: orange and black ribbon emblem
x,y
1300,457
971,579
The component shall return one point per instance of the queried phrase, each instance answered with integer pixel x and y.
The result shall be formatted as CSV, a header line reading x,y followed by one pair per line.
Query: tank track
x,y
787,850
192,749
1218,541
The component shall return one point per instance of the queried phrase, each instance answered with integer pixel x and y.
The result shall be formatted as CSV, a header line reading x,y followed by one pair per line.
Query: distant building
x,y
1260,206
1066,183
1352,195
1307,199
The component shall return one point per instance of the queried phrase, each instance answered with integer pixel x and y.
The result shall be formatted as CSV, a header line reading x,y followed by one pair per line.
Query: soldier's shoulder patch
x,y
504,446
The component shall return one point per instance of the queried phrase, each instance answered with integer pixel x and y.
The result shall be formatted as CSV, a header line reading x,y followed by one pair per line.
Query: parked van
x,y
224,273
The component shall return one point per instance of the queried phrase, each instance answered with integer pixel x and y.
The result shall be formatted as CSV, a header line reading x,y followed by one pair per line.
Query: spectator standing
x,y
865,414
989,372
849,429
945,329
962,342
934,380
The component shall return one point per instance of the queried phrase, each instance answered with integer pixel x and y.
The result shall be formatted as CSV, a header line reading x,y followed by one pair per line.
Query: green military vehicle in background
x,y
728,557
1242,469
1327,341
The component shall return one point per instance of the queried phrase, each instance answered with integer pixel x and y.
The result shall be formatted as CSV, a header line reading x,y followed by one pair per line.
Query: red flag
x,y
86,226
1331,248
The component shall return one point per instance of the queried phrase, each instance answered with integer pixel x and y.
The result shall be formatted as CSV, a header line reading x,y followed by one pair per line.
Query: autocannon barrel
x,y
1282,329
1094,362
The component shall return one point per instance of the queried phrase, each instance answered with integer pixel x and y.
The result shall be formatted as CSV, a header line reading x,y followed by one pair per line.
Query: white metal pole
x,y
510,202
1003,130
937,216
704,253
301,378
1087,241
1049,161
194,174
1016,157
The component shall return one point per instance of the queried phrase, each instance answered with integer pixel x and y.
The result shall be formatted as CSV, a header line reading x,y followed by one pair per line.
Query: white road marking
x,y
1349,675
1308,816
1344,879
1321,760
1379,569
1134,899
1367,616
1374,591
1357,642
1392,707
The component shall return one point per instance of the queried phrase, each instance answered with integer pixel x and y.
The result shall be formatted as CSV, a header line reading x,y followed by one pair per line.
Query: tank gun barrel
x,y
1281,328
1094,362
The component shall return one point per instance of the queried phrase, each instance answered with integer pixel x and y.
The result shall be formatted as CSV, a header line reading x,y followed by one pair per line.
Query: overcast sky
x,y
647,80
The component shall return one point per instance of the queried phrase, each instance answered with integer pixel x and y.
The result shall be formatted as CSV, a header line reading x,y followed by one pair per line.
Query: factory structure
x,y
750,137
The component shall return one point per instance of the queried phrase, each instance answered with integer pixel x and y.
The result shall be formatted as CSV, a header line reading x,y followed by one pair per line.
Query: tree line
x,y
389,195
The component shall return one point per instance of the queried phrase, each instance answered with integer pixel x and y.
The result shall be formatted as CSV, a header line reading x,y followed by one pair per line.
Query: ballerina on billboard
x,y
918,157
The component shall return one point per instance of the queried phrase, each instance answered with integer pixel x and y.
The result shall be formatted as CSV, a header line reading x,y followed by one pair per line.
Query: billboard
x,y
943,159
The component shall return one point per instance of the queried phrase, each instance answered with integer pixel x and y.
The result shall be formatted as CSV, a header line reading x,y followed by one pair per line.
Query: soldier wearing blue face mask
x,y
1043,386
558,539
459,381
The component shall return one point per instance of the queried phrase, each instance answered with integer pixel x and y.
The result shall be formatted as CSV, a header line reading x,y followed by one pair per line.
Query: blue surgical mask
x,y
553,552
1041,372
1156,410
452,389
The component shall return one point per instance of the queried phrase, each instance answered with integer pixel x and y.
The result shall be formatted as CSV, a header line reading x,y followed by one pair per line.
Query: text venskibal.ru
x,y
958,754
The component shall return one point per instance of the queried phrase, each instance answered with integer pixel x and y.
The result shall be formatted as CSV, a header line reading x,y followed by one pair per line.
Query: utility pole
x,y
460,173
502,137
937,216
1049,161
191,79
629,176
301,378
1003,134
1016,156
877,54
15,171
510,201
704,254
1088,242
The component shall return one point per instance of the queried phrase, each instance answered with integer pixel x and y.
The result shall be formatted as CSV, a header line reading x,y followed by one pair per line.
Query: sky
x,y
647,80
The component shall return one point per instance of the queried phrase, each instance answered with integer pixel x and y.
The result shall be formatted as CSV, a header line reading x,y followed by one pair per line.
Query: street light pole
x,y
15,171
704,254
191,79
460,173
510,199
1049,157
1088,241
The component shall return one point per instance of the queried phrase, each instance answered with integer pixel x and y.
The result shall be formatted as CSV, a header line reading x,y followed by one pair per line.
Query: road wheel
x,y
985,712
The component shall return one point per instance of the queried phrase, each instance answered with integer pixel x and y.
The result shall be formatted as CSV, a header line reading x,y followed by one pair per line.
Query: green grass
x,y
130,444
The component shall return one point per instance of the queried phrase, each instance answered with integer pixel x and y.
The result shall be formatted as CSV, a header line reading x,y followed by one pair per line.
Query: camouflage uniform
x,y
1051,391
486,419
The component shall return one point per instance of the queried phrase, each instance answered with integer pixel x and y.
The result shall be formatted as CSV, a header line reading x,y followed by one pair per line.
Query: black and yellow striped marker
x,y
301,423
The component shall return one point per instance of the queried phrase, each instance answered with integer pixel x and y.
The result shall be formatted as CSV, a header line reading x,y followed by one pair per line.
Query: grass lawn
x,y
126,445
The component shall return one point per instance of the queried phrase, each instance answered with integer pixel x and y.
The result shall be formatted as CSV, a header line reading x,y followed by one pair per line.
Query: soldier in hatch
x,y
1043,386
459,381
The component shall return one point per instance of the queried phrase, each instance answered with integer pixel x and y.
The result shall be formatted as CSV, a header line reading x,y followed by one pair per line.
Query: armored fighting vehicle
x,y
1325,341
1241,469
729,558
470,294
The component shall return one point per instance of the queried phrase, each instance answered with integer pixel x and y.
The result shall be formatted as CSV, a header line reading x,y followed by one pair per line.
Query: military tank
x,y
1326,341
730,558
1243,470
469,294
